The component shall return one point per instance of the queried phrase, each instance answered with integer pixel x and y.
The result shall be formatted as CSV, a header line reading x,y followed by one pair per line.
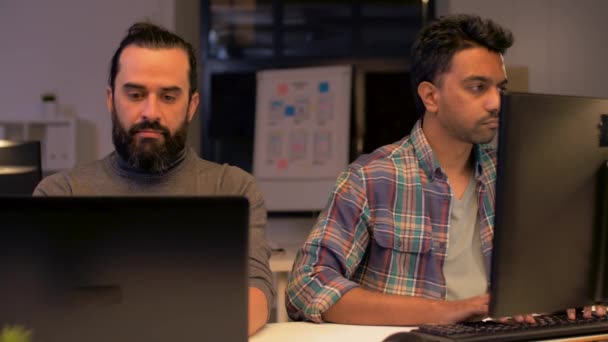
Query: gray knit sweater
x,y
190,175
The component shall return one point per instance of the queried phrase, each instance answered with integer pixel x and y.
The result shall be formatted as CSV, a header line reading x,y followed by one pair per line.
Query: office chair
x,y
20,167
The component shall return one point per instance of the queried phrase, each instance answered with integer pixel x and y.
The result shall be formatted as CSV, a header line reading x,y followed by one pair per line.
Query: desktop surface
x,y
125,269
315,332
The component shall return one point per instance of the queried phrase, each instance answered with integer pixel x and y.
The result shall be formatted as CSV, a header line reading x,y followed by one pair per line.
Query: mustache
x,y
149,125
492,116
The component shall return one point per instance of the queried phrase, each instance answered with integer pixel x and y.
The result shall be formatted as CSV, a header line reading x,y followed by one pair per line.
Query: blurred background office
x,y
62,48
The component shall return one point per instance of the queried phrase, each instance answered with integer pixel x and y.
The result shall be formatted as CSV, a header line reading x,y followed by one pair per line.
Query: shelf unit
x,y
57,138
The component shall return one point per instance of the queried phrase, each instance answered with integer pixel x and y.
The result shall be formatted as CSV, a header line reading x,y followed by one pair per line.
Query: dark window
x,y
241,37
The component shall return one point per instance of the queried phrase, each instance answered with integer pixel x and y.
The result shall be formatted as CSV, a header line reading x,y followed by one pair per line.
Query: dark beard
x,y
148,154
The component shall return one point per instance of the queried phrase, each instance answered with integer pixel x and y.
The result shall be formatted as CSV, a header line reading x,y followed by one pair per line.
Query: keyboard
x,y
547,327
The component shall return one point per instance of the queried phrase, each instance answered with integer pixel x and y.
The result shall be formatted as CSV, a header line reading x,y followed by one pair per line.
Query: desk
x,y
312,332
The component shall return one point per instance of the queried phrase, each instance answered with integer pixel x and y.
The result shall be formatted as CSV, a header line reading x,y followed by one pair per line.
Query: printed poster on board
x,y
302,123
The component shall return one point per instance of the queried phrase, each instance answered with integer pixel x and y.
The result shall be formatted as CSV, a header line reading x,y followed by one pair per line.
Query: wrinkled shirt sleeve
x,y
331,253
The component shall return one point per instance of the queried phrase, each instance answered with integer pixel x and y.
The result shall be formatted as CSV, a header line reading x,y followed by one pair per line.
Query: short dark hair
x,y
437,43
148,35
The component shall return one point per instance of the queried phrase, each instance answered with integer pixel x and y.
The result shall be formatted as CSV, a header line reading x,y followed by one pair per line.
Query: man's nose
x,y
493,101
151,110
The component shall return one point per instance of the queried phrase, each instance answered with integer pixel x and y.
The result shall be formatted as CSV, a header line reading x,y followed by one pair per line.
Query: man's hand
x,y
474,308
600,310
519,319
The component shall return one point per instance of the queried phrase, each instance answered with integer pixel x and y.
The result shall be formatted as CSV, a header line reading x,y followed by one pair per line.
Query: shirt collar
x,y
485,162
424,153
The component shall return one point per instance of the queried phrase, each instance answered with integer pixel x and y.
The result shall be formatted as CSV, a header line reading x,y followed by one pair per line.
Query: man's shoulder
x,y
62,182
210,168
225,178
388,156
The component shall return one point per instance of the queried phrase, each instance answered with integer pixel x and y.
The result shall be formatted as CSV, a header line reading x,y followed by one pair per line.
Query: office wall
x,y
65,46
561,41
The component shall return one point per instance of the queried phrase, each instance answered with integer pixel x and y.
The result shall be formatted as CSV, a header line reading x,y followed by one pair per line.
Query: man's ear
x,y
429,95
194,100
109,99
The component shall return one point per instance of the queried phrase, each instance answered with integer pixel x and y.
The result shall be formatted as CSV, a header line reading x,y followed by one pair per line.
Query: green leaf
x,y
15,333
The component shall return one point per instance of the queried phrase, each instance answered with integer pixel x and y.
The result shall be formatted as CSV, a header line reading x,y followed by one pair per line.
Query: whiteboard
x,y
302,133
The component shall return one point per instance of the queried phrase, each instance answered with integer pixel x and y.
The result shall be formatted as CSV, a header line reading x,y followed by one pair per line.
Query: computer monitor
x,y
547,250
125,269
20,167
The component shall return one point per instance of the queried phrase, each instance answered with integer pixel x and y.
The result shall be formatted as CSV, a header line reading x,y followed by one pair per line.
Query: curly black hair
x,y
437,43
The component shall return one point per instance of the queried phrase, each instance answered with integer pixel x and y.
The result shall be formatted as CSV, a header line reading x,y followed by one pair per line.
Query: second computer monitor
x,y
546,245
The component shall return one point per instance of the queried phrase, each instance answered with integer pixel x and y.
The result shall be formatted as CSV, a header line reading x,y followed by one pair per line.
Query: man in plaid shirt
x,y
406,237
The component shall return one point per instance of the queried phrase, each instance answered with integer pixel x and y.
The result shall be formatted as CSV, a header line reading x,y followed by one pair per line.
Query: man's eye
x,y
169,98
135,95
477,88
503,90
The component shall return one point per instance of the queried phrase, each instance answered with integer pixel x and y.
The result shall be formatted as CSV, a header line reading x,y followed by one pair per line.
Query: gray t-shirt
x,y
190,175
464,268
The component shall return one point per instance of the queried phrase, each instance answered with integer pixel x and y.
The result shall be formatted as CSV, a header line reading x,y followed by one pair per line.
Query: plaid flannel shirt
x,y
385,228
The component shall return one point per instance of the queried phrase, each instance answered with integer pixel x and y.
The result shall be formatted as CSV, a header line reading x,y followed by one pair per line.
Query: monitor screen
x,y
125,269
551,151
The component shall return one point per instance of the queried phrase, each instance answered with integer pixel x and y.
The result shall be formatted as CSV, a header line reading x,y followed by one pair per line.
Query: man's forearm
x,y
258,310
359,306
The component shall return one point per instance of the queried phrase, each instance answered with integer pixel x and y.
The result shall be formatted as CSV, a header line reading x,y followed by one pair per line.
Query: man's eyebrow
x,y
134,86
477,78
171,89
485,80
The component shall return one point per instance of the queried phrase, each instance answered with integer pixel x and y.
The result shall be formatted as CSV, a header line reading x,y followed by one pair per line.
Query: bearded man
x,y
152,96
